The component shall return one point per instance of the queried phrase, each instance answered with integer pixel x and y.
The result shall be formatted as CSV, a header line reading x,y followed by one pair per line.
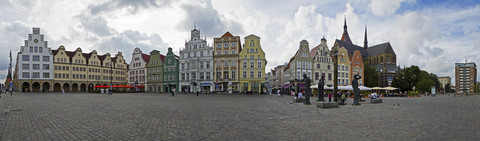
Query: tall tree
x,y
371,76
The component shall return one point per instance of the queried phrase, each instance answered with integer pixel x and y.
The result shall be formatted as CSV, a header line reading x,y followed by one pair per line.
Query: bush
x,y
413,93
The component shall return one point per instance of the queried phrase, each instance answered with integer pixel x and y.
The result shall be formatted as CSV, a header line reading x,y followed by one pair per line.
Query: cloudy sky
x,y
430,34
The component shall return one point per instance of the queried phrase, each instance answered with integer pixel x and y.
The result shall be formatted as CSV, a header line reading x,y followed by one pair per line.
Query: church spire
x,y
365,42
345,25
345,36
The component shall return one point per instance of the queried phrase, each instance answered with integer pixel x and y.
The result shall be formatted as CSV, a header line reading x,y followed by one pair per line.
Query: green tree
x,y
447,88
412,76
401,83
371,76
425,85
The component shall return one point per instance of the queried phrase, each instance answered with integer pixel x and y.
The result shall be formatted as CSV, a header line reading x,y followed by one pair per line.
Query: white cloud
x,y
385,7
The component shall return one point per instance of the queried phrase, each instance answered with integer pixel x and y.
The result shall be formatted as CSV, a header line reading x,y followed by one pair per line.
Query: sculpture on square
x,y
356,90
321,83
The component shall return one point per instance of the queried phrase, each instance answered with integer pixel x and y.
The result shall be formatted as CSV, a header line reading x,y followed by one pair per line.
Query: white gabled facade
x,y
322,64
137,72
35,64
196,65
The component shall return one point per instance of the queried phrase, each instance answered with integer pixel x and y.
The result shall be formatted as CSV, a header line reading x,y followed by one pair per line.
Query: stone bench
x,y
375,101
327,105
299,100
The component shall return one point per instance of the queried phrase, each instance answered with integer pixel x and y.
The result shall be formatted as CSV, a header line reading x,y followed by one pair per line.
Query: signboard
x,y
433,90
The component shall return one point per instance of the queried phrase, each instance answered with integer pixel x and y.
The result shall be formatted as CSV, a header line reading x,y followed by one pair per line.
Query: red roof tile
x,y
145,57
227,34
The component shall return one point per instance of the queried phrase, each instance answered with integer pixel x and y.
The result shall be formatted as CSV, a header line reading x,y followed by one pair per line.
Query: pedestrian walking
x,y
63,91
329,97
344,97
278,93
198,91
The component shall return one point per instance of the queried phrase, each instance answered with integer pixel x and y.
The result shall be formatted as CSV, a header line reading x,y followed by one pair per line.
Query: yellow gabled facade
x,y
343,67
80,72
252,66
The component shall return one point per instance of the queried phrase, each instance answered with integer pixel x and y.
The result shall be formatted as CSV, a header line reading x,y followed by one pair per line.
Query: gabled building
x,y
34,72
357,67
382,57
253,62
170,72
301,63
344,67
75,71
196,62
322,64
226,63
137,72
278,77
155,72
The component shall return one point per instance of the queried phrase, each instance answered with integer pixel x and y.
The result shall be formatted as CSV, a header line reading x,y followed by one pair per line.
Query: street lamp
x,y
111,79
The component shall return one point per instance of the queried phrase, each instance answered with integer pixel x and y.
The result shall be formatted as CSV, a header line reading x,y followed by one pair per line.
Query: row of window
x,y
300,74
219,45
304,65
318,66
154,70
170,77
35,58
380,60
225,52
252,64
193,76
252,74
329,78
35,66
35,75
169,69
323,59
137,79
36,49
195,46
252,57
137,72
193,65
195,54
343,68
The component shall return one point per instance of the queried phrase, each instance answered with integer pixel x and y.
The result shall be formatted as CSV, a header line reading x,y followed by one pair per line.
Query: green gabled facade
x,y
170,72
155,72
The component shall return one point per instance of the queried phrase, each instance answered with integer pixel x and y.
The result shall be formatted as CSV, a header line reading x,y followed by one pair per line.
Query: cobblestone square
x,y
145,116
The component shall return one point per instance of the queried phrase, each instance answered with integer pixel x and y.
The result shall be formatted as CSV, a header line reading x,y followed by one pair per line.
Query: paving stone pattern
x,y
142,116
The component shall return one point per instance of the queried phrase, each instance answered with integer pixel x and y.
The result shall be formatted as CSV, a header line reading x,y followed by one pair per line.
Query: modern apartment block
x,y
465,77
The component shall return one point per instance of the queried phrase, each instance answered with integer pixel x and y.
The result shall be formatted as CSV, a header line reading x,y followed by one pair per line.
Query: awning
x,y
287,85
301,85
205,84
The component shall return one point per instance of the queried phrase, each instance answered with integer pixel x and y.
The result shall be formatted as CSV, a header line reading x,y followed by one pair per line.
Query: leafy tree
x,y
447,88
371,76
425,85
412,76
401,83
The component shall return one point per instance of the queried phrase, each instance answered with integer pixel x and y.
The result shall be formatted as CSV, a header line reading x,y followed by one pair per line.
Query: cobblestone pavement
x,y
85,116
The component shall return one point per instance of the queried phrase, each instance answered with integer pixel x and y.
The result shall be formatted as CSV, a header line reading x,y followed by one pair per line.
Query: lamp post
x,y
111,79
